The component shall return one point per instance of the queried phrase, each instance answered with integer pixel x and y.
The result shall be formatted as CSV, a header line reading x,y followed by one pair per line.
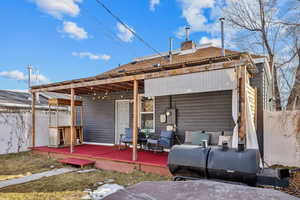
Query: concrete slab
x,y
192,190
34,177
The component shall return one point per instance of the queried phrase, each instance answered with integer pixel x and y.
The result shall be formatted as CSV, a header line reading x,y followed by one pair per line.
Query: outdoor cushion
x,y
214,137
228,133
152,141
225,138
127,137
189,136
166,134
197,138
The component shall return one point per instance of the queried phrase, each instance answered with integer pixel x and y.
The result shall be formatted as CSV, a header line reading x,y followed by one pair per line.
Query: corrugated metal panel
x,y
99,120
199,111
217,80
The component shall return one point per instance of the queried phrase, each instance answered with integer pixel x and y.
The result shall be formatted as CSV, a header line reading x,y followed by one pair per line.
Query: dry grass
x,y
294,188
25,163
71,185
65,186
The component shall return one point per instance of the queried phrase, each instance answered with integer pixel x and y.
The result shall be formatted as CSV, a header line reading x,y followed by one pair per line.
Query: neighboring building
x,y
15,119
201,88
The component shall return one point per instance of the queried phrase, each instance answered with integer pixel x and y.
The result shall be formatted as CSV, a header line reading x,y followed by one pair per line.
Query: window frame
x,y
141,113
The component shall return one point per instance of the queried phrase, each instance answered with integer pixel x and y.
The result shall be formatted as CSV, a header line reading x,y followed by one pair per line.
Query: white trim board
x,y
100,144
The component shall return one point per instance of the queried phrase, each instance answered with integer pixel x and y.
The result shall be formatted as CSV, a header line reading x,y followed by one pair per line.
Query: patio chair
x,y
165,140
127,138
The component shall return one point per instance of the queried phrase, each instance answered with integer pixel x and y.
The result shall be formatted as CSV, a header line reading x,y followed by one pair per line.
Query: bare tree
x,y
258,17
292,22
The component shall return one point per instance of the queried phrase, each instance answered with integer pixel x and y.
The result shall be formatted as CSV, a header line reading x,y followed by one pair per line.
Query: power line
x,y
128,28
108,32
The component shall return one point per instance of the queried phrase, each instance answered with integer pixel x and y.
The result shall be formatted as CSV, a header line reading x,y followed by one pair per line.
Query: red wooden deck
x,y
111,158
76,161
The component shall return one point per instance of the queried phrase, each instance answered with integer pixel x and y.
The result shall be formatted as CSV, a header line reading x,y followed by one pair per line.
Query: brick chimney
x,y
187,45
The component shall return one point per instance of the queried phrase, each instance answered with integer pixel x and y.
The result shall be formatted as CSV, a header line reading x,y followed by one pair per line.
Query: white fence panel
x,y
15,129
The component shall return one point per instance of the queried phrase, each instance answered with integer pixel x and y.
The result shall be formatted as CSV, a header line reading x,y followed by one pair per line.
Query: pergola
x,y
133,80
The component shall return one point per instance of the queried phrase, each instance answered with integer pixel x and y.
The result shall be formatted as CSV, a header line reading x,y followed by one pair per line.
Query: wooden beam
x,y
166,73
104,88
128,84
121,86
33,118
72,120
135,120
63,102
242,89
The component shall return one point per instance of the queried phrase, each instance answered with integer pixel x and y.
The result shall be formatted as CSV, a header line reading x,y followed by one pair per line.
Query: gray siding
x,y
264,93
200,111
99,120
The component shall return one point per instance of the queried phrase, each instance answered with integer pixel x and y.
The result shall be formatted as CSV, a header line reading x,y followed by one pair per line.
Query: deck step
x,y
77,162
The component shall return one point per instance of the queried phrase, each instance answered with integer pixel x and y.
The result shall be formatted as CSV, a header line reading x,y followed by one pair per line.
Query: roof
x,y
148,62
141,68
13,98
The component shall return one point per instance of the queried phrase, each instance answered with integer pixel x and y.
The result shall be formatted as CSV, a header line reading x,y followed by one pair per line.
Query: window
x,y
147,122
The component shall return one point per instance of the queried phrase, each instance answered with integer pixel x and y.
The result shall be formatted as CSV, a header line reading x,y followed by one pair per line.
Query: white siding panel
x,y
209,81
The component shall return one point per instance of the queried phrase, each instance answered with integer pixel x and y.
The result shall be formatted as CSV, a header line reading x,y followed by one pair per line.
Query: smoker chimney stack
x,y
222,19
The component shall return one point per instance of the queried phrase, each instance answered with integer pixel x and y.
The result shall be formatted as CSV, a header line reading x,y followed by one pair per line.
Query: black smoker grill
x,y
228,164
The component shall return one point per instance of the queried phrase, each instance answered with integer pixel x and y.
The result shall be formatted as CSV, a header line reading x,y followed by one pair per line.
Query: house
x,y
15,119
196,85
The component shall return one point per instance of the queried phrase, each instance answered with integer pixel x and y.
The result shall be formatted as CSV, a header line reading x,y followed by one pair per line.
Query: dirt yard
x,y
66,186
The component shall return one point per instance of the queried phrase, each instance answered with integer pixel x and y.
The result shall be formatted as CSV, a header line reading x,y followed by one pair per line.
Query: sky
x,y
70,39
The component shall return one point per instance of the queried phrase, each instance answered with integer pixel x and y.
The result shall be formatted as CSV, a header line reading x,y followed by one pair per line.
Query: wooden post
x,y
81,116
242,84
33,118
81,123
72,119
255,109
135,119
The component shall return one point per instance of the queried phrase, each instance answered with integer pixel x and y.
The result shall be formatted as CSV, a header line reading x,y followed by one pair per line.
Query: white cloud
x,y
153,4
39,79
92,56
20,76
124,34
74,31
14,74
214,41
193,12
59,8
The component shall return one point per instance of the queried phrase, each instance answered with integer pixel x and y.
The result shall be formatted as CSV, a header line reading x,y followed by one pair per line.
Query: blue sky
x,y
69,39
